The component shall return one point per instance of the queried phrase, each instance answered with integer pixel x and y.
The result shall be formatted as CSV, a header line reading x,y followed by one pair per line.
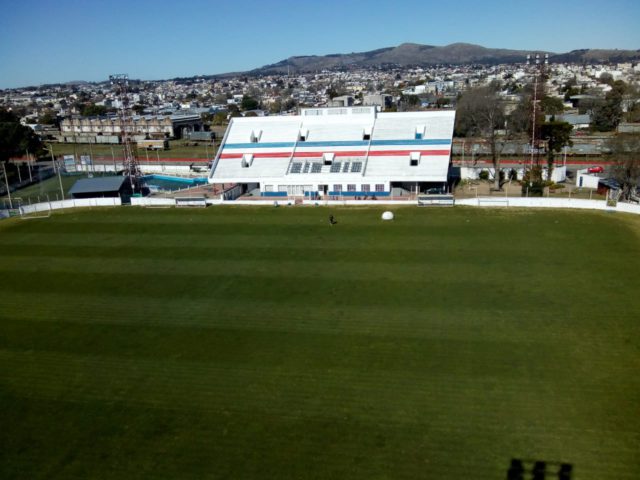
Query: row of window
x,y
336,167
303,134
300,189
316,167
351,187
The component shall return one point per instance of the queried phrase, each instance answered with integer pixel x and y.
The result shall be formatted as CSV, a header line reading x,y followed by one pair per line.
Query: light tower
x,y
539,68
120,82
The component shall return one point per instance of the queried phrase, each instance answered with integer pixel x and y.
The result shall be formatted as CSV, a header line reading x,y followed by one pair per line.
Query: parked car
x,y
435,191
596,169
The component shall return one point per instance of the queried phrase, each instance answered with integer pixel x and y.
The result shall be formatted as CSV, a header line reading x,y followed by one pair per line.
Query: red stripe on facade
x,y
395,153
346,153
358,153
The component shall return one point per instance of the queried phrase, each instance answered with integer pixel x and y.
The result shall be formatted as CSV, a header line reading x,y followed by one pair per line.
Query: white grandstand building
x,y
350,151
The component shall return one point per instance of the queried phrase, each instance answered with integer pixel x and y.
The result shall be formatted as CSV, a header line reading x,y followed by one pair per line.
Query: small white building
x,y
349,151
584,179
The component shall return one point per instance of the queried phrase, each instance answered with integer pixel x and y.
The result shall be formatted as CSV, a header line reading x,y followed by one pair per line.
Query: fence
x,y
546,202
518,202
75,203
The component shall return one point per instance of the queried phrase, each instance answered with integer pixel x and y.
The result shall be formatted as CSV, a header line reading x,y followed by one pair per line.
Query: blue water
x,y
166,182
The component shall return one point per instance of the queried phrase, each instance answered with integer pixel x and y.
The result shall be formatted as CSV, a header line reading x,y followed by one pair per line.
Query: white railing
x,y
73,203
517,202
152,202
546,202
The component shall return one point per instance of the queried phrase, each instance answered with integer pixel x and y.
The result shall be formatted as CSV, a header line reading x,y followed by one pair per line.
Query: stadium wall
x,y
487,202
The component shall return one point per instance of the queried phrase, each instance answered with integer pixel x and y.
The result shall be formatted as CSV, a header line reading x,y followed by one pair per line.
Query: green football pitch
x,y
239,343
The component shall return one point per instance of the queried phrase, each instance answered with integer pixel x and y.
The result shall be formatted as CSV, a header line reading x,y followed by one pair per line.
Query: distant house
x,y
343,101
629,128
116,186
380,100
579,100
577,121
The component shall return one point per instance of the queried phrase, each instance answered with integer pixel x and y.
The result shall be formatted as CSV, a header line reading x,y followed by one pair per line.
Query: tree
x,y
480,112
249,103
93,110
551,105
558,135
16,139
220,99
624,153
219,118
608,113
633,115
443,102
48,118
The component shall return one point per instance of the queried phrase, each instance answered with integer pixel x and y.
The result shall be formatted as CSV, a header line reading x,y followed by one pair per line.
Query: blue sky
x,y
47,41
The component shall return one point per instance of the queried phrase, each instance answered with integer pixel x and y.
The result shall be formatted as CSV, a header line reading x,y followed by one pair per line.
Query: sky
x,y
46,41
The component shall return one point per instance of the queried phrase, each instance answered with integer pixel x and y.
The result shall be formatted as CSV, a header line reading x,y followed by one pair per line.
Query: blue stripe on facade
x,y
260,145
343,143
347,143
435,141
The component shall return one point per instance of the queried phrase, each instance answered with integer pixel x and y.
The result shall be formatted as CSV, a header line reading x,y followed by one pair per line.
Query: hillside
x,y
409,54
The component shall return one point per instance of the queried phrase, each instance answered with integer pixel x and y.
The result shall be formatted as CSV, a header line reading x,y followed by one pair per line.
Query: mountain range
x,y
412,54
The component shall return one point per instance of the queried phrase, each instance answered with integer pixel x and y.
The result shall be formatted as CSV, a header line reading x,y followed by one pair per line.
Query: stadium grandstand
x,y
350,151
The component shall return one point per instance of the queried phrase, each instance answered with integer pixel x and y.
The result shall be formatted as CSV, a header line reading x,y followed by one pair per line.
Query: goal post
x,y
27,213
191,202
493,202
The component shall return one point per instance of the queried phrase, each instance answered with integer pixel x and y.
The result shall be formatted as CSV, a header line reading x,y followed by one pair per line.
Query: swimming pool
x,y
169,183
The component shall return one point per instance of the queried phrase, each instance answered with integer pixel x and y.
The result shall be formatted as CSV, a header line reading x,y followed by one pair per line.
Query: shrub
x,y
484,175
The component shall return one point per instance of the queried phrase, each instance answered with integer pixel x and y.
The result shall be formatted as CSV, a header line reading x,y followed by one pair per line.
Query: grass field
x,y
46,189
263,343
178,149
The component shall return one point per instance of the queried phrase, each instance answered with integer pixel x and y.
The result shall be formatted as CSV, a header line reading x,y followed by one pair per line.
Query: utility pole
x,y
6,181
538,72
60,182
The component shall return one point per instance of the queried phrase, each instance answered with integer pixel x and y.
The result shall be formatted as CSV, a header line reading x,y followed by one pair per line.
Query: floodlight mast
x,y
539,71
120,82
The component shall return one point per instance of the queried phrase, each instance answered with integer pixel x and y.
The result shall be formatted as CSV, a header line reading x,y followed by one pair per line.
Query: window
x,y
365,187
335,167
345,169
328,158
379,187
316,167
414,159
247,160
296,167
356,167
337,188
268,188
255,136
366,135
307,165
351,187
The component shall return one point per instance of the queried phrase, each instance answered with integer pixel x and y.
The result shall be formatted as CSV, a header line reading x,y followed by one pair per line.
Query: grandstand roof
x,y
98,185
374,145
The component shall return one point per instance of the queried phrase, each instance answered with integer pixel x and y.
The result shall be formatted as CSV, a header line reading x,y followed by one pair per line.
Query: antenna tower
x,y
120,82
539,70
